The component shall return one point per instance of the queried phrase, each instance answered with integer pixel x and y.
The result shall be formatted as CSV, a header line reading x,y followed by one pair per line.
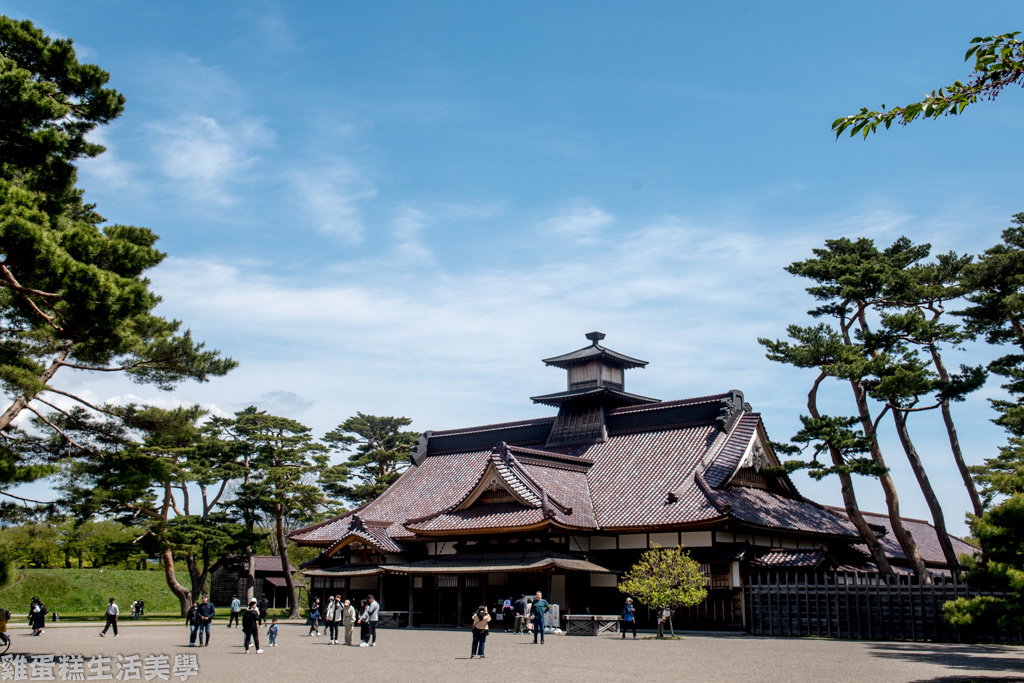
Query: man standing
x,y
519,607
236,607
372,614
628,618
205,613
263,604
112,612
539,610
348,617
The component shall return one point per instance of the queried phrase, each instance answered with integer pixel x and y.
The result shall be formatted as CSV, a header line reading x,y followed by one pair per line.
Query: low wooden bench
x,y
591,624
393,620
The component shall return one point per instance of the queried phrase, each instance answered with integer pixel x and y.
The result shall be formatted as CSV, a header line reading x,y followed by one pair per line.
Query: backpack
x,y
43,610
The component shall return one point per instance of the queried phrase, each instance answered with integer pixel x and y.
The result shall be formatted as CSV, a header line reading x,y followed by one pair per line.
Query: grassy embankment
x,y
82,594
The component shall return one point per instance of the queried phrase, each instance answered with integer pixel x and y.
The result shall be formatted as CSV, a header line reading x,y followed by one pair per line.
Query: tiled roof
x,y
499,562
269,563
718,472
324,533
648,474
773,511
593,352
923,533
809,558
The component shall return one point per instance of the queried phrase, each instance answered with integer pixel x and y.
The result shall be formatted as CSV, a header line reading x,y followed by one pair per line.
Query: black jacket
x,y
251,621
263,604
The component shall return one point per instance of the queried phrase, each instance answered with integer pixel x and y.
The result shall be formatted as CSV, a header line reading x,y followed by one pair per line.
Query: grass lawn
x,y
86,591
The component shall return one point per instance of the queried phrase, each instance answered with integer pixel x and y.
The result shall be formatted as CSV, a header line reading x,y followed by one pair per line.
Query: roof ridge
x,y
661,405
489,427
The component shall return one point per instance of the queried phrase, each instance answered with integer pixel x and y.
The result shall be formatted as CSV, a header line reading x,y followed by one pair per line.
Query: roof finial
x,y
595,337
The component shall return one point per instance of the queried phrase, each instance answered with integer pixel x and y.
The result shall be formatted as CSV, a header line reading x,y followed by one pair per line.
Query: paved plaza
x,y
426,655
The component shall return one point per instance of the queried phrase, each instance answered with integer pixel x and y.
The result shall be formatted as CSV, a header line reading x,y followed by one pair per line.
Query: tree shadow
x,y
976,659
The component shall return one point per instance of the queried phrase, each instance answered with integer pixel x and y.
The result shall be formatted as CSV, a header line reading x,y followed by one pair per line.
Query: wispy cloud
x,y
206,156
580,220
331,195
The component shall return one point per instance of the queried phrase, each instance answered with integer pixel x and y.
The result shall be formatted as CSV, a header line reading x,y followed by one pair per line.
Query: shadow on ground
x,y
980,660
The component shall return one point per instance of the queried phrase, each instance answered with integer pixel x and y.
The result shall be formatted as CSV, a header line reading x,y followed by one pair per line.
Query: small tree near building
x,y
665,579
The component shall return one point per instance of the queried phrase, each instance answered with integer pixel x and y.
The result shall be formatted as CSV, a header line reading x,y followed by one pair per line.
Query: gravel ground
x,y
425,655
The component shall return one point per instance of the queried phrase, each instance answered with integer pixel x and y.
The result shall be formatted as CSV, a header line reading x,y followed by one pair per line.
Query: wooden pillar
x,y
411,607
458,603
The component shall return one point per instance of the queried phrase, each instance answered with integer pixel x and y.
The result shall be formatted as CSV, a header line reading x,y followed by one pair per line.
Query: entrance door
x,y
447,596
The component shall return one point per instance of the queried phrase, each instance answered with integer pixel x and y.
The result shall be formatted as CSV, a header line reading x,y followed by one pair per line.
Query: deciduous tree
x,y
665,579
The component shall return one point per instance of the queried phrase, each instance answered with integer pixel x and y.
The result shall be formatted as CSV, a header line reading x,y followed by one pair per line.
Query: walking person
x,y
192,619
272,633
528,615
236,609
251,626
206,613
364,628
372,614
538,611
37,616
112,612
519,609
264,605
481,621
142,608
332,618
314,617
628,618
348,617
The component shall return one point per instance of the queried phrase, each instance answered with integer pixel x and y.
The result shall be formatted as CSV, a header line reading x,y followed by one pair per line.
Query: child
x,y
272,633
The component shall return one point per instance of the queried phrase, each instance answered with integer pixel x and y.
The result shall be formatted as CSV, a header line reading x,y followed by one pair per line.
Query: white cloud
x,y
579,221
331,196
205,155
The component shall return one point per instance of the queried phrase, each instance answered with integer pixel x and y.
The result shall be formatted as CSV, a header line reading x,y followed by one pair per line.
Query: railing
x,y
590,624
854,605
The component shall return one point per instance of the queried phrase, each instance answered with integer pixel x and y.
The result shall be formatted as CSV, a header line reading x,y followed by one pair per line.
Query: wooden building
x,y
564,504
229,581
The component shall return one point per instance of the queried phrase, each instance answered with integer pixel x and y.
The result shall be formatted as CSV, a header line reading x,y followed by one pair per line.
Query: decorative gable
x,y
503,481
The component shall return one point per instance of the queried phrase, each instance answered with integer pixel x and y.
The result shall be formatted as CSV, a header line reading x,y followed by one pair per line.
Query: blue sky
x,y
400,208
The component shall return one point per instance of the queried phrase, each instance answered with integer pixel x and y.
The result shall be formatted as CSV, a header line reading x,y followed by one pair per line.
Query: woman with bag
x,y
481,621
314,618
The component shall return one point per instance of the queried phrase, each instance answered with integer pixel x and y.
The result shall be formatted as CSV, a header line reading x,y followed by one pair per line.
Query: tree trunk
x,y
172,581
250,576
22,401
954,440
849,496
892,499
282,544
900,419
195,576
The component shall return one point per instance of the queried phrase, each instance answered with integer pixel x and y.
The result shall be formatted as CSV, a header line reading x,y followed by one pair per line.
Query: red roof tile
x,y
922,531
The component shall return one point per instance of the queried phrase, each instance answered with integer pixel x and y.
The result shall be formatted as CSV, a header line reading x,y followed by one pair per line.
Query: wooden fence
x,y
859,606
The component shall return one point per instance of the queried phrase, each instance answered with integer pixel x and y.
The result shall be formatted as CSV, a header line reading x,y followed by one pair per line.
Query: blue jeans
x,y
538,627
273,638
479,640
197,630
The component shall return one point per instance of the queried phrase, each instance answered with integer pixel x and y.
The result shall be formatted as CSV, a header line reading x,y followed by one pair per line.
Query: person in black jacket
x,y
192,619
206,613
251,626
263,605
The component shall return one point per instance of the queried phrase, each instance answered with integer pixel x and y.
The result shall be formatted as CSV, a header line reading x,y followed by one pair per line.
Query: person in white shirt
x,y
112,612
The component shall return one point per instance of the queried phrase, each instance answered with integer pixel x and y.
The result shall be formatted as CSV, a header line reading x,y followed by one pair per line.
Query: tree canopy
x,y
73,291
